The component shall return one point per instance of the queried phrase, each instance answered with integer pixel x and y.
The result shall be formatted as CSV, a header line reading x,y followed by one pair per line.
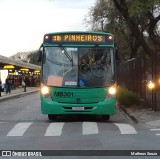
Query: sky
x,y
24,22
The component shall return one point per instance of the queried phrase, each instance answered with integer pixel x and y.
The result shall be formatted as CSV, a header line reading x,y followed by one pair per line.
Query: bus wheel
x,y
52,117
105,117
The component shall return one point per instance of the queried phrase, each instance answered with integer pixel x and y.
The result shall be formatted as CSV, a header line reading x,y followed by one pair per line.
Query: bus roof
x,y
85,32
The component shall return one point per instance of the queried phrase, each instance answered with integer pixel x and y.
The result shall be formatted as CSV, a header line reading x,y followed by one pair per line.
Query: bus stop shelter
x,y
14,67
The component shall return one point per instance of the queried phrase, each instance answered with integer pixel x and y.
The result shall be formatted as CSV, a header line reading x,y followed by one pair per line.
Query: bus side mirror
x,y
39,54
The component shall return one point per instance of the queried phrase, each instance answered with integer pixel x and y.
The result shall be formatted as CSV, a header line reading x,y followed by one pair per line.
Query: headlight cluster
x,y
45,92
111,91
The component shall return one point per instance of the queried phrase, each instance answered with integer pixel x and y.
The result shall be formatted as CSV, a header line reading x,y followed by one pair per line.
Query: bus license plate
x,y
77,108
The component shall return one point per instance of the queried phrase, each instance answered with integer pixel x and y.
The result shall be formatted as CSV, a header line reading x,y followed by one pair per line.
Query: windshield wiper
x,y
66,53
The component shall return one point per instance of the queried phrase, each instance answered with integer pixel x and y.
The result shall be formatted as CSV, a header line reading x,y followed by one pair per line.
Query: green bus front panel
x,y
78,101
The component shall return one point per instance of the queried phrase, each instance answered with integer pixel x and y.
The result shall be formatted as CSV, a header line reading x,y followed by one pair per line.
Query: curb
x,y
122,108
14,96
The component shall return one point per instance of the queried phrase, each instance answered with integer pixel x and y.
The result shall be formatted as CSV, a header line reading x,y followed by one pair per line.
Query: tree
x,y
105,17
134,23
140,16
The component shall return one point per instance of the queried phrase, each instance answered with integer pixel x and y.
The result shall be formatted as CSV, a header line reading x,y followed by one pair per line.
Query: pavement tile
x,y
18,92
141,115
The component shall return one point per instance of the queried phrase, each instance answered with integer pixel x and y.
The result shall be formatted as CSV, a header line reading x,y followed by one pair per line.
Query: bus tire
x,y
105,117
52,117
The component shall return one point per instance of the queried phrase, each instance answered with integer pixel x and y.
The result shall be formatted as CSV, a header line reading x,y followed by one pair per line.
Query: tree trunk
x,y
123,9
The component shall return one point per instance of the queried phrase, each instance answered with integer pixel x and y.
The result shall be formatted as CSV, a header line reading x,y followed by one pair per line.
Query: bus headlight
x,y
111,91
45,91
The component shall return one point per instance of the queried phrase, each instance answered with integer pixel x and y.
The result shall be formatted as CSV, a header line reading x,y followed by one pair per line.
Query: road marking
x,y
89,128
3,122
126,128
54,129
19,129
155,129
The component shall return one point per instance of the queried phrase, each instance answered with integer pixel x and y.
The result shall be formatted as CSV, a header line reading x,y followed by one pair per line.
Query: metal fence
x,y
135,73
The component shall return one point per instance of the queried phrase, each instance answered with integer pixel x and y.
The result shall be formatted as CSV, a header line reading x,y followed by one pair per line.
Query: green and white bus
x,y
78,74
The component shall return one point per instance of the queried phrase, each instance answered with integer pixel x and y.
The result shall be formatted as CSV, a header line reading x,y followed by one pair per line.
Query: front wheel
x,y
52,117
105,117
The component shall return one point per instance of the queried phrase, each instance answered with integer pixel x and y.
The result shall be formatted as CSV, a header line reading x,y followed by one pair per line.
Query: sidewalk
x,y
18,92
142,115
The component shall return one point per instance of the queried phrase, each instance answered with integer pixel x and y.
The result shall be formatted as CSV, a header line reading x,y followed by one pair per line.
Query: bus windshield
x,y
78,66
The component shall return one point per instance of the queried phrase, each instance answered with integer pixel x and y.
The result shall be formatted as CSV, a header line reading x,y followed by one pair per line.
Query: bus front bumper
x,y
106,107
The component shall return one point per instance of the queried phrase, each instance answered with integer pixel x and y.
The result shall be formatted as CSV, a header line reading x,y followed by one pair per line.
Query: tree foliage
x,y
133,23
132,17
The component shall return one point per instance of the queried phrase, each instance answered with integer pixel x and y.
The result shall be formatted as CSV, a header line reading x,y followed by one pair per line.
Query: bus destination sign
x,y
78,38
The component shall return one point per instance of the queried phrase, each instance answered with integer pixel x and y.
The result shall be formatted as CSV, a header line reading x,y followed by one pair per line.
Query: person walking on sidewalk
x,y
8,85
24,85
0,87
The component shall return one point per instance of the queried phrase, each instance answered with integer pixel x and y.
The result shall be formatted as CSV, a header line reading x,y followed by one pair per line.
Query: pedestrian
x,y
8,85
0,87
24,85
